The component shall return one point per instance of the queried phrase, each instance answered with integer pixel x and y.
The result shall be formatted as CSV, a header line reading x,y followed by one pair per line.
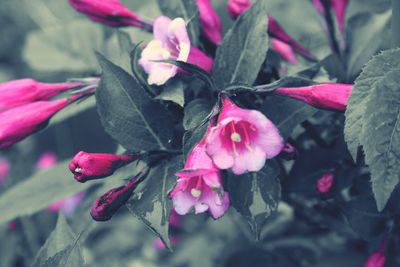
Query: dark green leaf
x,y
150,202
243,49
173,91
256,195
61,248
196,112
186,9
128,114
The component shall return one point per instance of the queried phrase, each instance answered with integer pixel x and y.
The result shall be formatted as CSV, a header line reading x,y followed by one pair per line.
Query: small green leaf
x,y
256,195
173,91
243,49
150,202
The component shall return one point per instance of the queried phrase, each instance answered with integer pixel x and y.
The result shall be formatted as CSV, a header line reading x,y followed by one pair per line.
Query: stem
x,y
395,23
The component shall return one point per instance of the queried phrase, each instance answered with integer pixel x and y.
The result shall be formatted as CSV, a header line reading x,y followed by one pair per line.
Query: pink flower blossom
x,y
376,259
46,160
237,7
243,139
210,22
18,123
4,170
284,50
24,91
67,205
199,186
339,6
90,166
324,184
331,96
108,204
171,42
109,12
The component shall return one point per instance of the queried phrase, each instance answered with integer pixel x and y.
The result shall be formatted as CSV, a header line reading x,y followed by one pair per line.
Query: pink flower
x,y
4,170
284,50
46,160
109,12
171,42
108,204
243,139
24,91
90,166
68,205
210,22
199,186
18,123
237,7
324,184
331,96
339,6
376,259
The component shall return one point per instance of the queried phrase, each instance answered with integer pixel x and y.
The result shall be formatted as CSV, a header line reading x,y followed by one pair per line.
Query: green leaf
x,y
365,40
243,49
186,9
38,191
128,114
61,248
373,72
380,136
150,202
256,195
173,91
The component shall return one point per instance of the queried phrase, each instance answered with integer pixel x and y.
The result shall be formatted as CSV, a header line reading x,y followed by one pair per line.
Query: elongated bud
x,y
331,96
18,123
284,50
24,91
339,6
210,22
289,152
90,166
197,57
4,170
376,259
109,12
108,204
324,184
237,7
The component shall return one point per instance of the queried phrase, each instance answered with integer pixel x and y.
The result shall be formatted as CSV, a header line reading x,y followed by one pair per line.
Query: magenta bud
x,y
91,166
46,160
23,91
324,184
284,50
289,152
376,259
332,96
109,12
198,58
339,6
18,123
4,170
237,7
210,22
108,204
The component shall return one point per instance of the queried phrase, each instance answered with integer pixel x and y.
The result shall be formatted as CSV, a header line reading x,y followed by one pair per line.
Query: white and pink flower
x,y
243,139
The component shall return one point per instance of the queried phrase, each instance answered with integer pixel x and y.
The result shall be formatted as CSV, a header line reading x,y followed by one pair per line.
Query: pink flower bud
x,y
331,96
324,184
199,185
4,170
319,7
109,12
289,152
12,225
159,245
376,259
210,22
243,139
174,218
339,6
91,166
24,91
68,205
18,123
171,42
284,50
46,160
108,204
237,7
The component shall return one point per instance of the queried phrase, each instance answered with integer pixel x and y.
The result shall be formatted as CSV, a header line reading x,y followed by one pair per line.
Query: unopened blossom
x,y
4,170
339,6
324,184
376,259
243,139
289,152
109,12
24,91
67,205
159,245
237,7
319,6
46,160
171,42
284,50
332,96
174,218
108,204
90,166
199,186
209,20
18,123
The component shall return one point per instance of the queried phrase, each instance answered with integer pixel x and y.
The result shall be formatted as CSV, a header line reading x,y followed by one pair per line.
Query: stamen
x,y
233,141
247,142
